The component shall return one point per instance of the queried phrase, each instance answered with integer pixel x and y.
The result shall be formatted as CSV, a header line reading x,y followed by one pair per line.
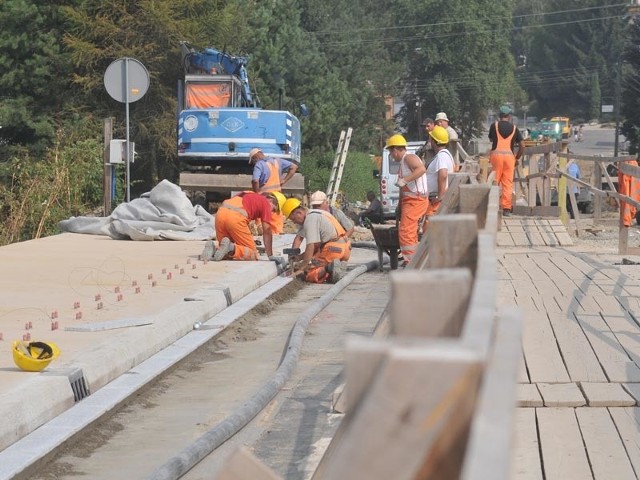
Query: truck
x,y
388,176
219,121
565,125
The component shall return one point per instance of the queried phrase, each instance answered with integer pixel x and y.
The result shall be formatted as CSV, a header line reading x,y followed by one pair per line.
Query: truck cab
x,y
565,125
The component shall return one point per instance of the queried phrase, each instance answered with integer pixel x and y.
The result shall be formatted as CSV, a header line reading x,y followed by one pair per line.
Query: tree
x,y
631,88
99,32
33,73
458,60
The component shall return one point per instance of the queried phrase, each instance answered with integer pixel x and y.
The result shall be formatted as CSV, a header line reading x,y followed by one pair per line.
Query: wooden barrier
x,y
431,395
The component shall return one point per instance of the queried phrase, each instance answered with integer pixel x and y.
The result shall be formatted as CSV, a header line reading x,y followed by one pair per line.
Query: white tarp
x,y
164,213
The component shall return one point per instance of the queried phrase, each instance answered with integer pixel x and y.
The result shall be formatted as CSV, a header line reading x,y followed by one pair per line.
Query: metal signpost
x,y
126,81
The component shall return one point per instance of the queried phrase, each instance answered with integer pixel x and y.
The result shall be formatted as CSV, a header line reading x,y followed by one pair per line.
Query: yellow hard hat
x,y
280,198
289,206
396,140
440,135
34,356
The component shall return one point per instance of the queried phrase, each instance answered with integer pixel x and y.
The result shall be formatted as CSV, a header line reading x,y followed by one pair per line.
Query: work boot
x,y
208,251
223,250
506,213
337,271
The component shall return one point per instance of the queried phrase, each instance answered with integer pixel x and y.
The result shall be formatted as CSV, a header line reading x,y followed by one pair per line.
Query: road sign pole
x,y
128,160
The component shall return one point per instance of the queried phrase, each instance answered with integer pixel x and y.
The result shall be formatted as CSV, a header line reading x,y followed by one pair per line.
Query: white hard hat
x,y
441,116
252,153
318,198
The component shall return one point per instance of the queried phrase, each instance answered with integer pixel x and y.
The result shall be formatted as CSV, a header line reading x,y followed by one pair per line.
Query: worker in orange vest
x,y
414,195
504,135
235,240
629,186
327,249
269,176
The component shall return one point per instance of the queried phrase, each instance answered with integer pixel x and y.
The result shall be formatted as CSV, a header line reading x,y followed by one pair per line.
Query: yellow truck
x,y
566,125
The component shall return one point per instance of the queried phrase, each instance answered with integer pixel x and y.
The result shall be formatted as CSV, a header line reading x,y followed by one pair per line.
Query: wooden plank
x,y
606,451
634,390
452,241
529,395
606,395
627,421
488,447
580,360
627,333
595,158
609,304
441,294
563,453
229,183
525,463
561,395
611,355
414,420
523,376
541,353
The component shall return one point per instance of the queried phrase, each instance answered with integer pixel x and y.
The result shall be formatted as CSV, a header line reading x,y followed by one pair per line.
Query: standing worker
x,y
268,177
443,121
414,201
327,249
438,170
232,226
504,135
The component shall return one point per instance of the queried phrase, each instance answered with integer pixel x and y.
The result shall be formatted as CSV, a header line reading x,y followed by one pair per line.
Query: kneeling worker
x,y
327,248
232,226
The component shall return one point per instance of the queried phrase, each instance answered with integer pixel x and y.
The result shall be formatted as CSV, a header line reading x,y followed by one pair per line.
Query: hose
x,y
180,464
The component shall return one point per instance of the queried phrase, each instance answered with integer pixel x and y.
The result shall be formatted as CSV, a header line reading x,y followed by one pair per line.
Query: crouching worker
x,y
327,249
232,226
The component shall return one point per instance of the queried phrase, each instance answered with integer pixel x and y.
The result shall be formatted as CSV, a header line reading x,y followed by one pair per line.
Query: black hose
x,y
177,466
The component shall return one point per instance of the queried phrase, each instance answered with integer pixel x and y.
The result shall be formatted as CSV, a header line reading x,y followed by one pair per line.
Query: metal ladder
x,y
338,166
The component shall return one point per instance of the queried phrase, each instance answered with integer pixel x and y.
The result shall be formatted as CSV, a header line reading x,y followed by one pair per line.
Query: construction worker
x,y
504,135
320,201
268,177
412,181
629,186
425,151
438,170
232,226
327,249
443,121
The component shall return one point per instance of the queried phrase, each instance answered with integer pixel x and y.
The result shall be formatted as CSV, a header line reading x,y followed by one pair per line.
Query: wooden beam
x,y
414,420
595,158
474,199
452,241
230,183
442,295
631,170
489,450
545,148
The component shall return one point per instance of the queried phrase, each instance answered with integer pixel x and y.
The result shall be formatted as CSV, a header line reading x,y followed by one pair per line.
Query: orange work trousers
x,y
330,251
629,186
235,226
412,210
504,165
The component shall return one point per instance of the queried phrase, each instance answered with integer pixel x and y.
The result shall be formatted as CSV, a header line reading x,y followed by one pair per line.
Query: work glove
x,y
400,183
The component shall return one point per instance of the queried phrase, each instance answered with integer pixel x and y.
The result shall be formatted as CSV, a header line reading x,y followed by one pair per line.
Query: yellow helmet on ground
x,y
280,198
440,135
396,140
290,205
34,356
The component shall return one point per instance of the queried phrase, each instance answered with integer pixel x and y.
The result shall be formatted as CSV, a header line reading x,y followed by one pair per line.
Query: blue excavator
x,y
219,121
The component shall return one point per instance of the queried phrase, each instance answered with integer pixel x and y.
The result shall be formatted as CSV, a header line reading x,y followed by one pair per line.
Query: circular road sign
x,y
126,75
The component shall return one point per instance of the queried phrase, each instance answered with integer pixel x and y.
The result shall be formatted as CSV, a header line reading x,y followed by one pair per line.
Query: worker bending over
x,y
319,201
232,226
327,248
269,176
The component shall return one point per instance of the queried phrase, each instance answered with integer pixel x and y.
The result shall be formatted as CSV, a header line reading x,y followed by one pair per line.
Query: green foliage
x,y
631,89
36,193
357,176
